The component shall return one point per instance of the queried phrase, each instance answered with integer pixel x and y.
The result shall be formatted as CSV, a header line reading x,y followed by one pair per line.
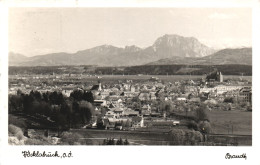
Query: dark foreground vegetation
x,y
66,116
53,110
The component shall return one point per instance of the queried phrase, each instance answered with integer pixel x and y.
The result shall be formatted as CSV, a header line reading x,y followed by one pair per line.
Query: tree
x,y
61,122
45,108
66,109
100,123
77,95
56,98
27,102
19,92
35,107
86,110
88,96
229,100
36,95
120,142
46,96
177,136
60,98
201,113
205,127
104,111
75,107
192,125
111,141
212,75
136,99
15,103
166,106
128,123
126,142
105,142
71,138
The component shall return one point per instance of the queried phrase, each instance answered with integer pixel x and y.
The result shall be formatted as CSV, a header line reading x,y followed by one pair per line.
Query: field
x,y
223,121
96,137
165,78
112,79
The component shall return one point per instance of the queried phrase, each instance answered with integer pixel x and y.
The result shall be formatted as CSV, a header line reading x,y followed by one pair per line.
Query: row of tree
x,y
112,141
234,69
53,108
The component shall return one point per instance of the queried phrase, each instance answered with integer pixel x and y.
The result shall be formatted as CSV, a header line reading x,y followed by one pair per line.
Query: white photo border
x,y
130,154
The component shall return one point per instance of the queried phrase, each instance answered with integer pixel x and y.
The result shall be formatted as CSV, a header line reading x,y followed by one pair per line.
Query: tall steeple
x,y
99,85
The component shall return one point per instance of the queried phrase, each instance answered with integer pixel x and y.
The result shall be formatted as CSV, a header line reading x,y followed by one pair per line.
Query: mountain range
x,y
241,56
168,49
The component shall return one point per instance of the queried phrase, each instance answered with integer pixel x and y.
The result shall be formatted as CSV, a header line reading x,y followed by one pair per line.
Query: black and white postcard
x,y
149,82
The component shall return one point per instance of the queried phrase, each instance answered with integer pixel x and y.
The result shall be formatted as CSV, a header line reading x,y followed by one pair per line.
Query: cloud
x,y
222,16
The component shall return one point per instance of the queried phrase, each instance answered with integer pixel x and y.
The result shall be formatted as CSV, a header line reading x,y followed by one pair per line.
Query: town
x,y
73,102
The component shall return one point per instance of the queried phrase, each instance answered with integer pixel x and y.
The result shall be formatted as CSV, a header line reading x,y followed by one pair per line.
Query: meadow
x,y
223,121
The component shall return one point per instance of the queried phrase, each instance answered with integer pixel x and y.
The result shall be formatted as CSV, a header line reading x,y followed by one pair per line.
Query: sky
x,y
38,31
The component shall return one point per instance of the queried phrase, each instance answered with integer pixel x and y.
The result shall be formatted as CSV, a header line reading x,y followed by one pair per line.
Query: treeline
x,y
112,141
134,70
193,69
13,70
53,109
48,70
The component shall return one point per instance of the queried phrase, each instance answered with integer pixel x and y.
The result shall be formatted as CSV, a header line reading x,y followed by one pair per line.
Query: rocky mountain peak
x,y
132,48
168,46
175,45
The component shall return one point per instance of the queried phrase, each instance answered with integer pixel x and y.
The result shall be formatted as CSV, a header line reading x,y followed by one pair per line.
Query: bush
x,y
43,139
111,141
100,123
198,136
205,127
192,137
229,100
15,131
126,142
119,142
201,113
16,137
71,138
17,122
15,141
33,141
192,125
185,137
177,136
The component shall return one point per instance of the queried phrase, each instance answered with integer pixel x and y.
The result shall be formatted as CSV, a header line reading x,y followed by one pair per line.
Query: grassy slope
x,y
222,121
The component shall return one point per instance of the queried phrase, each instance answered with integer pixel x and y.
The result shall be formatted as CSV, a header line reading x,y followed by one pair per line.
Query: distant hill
x,y
16,59
241,56
167,46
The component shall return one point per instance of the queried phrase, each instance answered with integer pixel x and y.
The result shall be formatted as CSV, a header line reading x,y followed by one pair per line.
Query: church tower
x,y
99,86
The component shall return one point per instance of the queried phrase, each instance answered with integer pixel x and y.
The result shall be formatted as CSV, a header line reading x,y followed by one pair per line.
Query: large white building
x,y
220,89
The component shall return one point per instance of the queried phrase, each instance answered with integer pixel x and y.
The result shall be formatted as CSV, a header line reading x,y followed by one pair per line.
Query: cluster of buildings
x,y
129,103
121,99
